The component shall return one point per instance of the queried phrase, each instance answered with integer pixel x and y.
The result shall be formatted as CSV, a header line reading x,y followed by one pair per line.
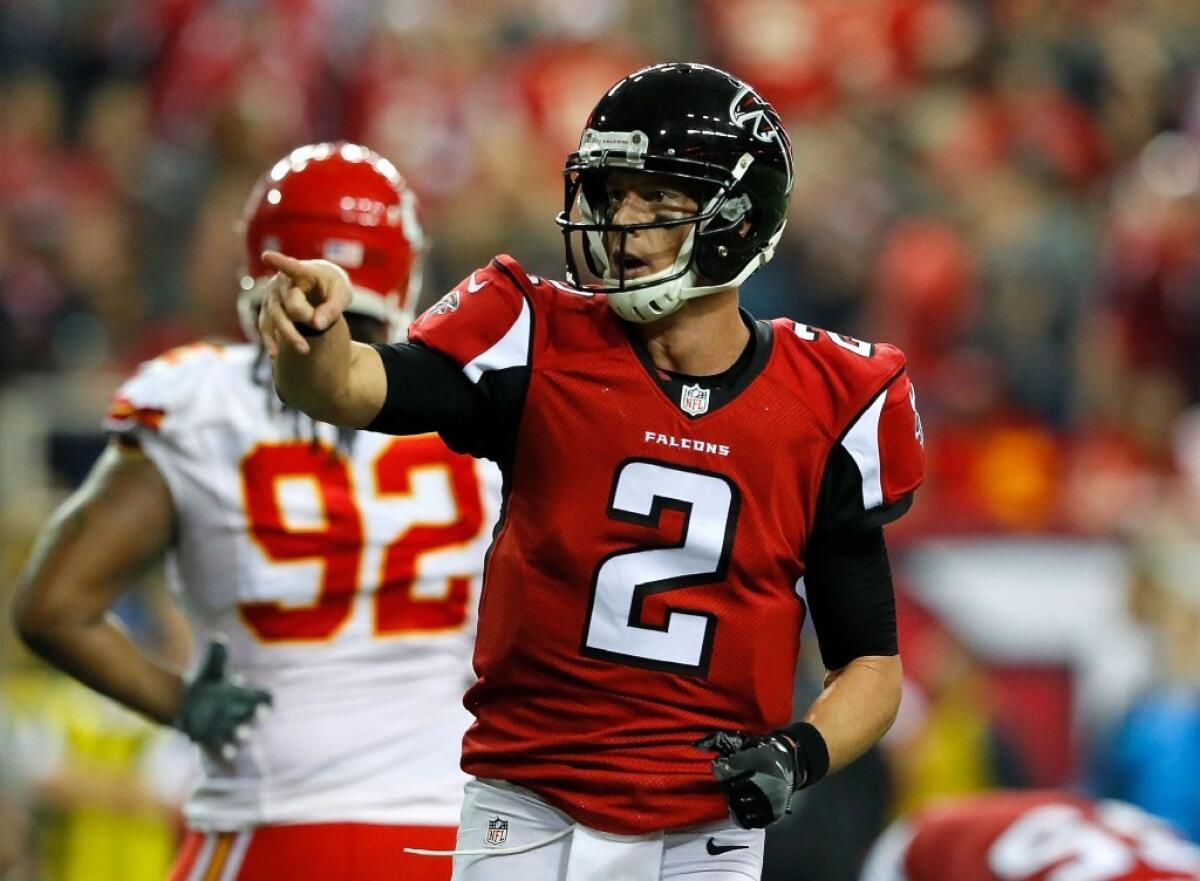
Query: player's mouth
x,y
629,265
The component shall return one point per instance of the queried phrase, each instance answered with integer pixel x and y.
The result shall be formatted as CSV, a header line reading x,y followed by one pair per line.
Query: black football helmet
x,y
716,136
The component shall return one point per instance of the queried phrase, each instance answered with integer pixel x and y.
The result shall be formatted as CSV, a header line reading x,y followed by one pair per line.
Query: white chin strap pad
x,y
656,301
649,301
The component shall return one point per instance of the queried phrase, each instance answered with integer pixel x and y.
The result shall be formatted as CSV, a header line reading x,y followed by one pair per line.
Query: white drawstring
x,y
491,851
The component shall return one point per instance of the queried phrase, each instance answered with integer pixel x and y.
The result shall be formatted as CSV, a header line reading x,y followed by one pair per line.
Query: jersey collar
x,y
716,391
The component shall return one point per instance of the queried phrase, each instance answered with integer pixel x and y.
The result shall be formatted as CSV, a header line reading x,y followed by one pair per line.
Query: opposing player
x,y
341,568
1032,836
673,469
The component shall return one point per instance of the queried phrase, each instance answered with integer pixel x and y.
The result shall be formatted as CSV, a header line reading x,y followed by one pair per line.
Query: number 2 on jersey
x,y
642,489
338,544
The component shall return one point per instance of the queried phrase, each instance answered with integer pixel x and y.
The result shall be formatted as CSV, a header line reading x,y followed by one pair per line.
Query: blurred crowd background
x,y
1008,189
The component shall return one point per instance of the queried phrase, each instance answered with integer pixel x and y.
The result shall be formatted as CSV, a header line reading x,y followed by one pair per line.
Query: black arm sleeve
x,y
848,583
426,391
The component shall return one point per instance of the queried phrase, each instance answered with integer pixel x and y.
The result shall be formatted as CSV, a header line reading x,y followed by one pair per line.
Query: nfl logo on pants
x,y
497,832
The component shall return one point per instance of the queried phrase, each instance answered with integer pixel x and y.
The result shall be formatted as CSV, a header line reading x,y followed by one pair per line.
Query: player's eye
x,y
671,201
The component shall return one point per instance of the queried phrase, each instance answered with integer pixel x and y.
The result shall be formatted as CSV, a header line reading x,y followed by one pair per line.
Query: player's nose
x,y
632,209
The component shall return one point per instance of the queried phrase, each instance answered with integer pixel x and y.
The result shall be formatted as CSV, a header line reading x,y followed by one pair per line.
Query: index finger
x,y
289,266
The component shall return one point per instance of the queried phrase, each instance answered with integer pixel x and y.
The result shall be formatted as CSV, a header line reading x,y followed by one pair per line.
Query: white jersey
x,y
344,577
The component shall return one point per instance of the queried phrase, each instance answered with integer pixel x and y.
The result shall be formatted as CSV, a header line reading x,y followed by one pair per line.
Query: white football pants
x,y
509,833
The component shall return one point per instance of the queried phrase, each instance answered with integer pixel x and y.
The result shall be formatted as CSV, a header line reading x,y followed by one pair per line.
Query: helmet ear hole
x,y
721,254
736,212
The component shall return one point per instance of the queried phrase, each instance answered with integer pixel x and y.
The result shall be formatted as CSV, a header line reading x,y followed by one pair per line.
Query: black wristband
x,y
812,755
308,330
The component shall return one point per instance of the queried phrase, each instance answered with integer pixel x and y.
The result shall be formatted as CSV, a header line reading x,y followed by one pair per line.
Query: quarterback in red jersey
x,y
1032,836
682,482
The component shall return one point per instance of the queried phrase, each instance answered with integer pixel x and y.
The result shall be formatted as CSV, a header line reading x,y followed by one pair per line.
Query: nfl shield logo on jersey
x,y
694,399
497,832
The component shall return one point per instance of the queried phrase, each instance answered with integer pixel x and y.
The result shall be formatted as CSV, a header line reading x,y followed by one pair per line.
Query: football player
x,y
338,569
673,469
1032,836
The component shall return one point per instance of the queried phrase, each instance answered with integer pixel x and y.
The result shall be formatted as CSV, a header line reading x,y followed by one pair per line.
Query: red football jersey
x,y
641,590
1045,836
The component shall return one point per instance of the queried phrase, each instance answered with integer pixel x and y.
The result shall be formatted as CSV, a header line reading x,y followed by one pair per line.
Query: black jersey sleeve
x,y
426,391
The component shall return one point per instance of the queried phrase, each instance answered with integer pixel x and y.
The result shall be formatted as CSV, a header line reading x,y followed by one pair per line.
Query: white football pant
x,y
509,833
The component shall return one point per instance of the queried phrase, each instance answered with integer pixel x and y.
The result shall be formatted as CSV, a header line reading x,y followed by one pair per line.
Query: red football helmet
x,y
345,204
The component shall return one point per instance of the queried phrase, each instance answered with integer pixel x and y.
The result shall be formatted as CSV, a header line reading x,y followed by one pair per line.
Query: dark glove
x,y
216,711
761,773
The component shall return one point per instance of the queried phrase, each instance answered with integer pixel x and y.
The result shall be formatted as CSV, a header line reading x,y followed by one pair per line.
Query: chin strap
x,y
650,302
669,296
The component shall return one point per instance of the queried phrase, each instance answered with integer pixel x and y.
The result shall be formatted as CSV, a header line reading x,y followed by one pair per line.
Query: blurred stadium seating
x,y
1008,189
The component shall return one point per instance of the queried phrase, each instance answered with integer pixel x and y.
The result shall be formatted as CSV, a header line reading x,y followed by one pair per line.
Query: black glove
x,y
761,773
216,711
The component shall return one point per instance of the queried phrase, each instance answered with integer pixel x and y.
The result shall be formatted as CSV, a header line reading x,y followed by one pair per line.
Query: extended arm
x,y
408,388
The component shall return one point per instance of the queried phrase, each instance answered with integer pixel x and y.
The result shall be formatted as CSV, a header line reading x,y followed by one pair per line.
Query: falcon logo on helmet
x,y
748,110
756,118
343,203
716,136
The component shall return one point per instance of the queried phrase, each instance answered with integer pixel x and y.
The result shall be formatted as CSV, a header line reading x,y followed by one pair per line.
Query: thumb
x,y
325,314
213,669
337,292
723,769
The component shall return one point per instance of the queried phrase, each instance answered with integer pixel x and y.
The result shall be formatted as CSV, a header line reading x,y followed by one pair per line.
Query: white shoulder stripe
x,y
862,443
511,350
